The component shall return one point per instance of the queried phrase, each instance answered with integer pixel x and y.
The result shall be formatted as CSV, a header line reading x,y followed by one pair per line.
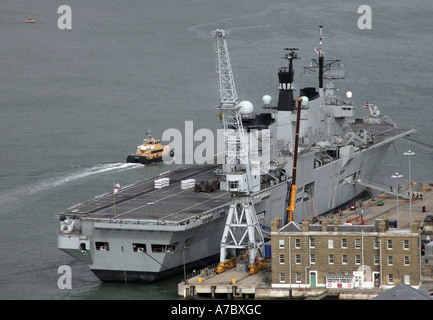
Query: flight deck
x,y
143,201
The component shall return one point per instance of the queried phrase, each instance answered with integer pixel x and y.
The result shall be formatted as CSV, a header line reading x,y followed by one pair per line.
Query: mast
x,y
321,58
286,78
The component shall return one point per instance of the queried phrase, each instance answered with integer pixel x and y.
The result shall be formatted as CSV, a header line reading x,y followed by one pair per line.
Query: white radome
x,y
246,107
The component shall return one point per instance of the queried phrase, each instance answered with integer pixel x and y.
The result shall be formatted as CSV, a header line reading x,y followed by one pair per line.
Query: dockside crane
x,y
242,230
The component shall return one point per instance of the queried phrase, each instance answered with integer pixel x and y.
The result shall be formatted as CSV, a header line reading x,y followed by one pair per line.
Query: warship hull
x,y
149,231
157,233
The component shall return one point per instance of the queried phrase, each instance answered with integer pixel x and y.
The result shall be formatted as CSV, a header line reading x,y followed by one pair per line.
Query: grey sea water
x,y
74,103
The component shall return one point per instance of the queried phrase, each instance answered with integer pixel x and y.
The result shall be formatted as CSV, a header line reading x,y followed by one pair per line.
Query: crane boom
x,y
242,230
229,96
236,155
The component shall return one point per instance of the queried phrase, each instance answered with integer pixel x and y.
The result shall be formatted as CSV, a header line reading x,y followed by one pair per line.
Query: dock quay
x,y
230,284
237,283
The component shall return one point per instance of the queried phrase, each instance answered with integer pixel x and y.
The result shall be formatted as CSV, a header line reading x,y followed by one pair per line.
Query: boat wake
x,y
47,184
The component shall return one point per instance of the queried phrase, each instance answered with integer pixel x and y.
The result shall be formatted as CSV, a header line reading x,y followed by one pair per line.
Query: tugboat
x,y
150,151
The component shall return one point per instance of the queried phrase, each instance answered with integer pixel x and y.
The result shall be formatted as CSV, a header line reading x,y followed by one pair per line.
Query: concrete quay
x,y
370,209
229,284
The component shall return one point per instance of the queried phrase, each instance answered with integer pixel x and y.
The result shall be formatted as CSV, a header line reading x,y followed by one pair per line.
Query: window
x,y
390,278
357,259
389,244
357,243
157,151
344,259
406,260
312,243
406,244
298,277
282,277
330,243
407,279
298,243
282,259
233,184
376,244
281,243
298,259
139,247
376,260
331,259
102,246
390,260
344,243
312,258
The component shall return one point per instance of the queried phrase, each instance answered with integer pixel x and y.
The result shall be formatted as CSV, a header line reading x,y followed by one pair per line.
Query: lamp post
x,y
396,176
410,154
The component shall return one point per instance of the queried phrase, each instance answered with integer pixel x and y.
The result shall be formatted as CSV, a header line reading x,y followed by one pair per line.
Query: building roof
x,y
403,292
291,227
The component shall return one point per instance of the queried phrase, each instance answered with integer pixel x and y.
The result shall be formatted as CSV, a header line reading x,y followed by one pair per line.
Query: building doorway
x,y
313,278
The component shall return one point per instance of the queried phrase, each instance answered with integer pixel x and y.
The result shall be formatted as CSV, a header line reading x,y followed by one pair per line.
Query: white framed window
x,y
344,259
390,278
282,277
281,242
406,260
330,243
344,243
312,243
298,243
312,258
282,260
357,259
331,259
390,260
405,244
389,244
357,243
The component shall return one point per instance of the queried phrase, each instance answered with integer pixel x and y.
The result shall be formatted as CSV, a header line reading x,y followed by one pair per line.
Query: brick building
x,y
336,255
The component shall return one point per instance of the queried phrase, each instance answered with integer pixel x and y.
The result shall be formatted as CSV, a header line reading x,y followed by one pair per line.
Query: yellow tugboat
x,y
150,151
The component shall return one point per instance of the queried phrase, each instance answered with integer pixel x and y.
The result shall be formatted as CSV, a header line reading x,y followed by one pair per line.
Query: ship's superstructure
x,y
156,231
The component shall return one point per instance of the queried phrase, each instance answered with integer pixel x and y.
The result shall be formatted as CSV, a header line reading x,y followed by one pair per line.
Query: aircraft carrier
x,y
162,226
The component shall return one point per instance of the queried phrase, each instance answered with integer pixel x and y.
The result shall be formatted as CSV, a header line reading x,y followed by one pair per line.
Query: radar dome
x,y
305,100
266,100
349,94
246,107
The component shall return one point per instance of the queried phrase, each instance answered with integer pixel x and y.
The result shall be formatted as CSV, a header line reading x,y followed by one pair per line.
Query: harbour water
x,y
75,102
